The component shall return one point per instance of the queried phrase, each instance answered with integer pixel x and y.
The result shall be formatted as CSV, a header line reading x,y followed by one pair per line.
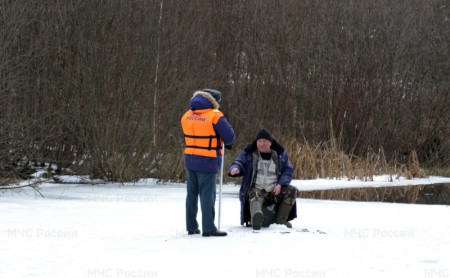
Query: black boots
x,y
195,232
216,233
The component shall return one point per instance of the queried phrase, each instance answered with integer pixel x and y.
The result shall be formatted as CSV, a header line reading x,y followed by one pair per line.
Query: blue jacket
x,y
223,129
244,162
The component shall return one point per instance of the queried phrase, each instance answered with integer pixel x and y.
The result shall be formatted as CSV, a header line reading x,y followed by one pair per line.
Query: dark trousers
x,y
270,203
201,185
288,195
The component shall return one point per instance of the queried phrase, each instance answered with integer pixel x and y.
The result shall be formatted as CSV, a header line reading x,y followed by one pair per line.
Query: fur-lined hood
x,y
275,146
203,100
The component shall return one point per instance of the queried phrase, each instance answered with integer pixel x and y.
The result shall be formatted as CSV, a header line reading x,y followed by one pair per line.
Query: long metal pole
x,y
220,186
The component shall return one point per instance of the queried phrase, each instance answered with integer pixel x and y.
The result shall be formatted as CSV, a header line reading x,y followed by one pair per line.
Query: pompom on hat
x,y
264,134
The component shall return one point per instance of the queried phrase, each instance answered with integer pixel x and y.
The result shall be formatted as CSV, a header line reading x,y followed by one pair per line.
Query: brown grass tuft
x,y
326,160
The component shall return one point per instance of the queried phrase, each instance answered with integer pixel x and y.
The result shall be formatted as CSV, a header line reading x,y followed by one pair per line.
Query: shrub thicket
x,y
99,86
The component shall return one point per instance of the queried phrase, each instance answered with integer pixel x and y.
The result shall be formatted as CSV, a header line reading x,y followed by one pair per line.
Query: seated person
x,y
266,194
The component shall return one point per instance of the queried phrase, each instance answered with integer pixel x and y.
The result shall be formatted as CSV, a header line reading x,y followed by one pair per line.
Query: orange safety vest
x,y
199,135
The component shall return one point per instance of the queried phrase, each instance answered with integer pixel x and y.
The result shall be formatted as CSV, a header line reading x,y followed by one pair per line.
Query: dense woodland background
x,y
98,87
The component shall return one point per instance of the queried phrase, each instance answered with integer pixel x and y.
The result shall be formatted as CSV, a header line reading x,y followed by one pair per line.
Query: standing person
x,y
266,194
205,129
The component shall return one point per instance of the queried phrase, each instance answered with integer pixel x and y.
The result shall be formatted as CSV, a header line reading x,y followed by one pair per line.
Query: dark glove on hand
x,y
229,147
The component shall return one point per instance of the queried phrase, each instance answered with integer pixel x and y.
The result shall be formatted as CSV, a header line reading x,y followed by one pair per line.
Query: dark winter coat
x,y
244,162
223,129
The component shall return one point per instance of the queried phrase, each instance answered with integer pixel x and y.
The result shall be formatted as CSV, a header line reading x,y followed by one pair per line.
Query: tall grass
x,y
327,160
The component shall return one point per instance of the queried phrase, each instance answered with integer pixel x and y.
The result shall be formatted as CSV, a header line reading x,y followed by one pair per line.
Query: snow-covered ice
x,y
138,230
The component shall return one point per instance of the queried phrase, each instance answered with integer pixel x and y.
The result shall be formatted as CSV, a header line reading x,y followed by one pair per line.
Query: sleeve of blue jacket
x,y
287,170
225,131
240,163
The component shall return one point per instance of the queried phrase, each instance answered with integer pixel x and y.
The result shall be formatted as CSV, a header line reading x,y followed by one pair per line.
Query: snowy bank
x,y
378,181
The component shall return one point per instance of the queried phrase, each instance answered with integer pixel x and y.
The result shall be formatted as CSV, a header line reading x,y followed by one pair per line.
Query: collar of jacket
x,y
275,146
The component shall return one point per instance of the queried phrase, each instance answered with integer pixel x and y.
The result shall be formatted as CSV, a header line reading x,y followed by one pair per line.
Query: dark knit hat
x,y
216,94
264,134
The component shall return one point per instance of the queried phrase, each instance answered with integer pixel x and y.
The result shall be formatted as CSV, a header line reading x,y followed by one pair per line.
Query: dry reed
x,y
326,160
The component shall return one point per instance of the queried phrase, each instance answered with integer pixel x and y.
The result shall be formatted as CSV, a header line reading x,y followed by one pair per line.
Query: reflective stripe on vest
x,y
199,135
